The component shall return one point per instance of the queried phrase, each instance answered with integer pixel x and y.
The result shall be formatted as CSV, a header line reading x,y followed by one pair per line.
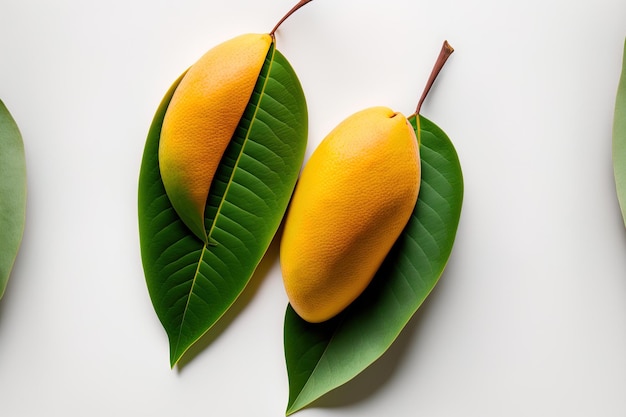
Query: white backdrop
x,y
529,318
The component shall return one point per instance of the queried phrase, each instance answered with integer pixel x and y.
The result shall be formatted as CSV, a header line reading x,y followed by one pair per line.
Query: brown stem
x,y
446,51
289,13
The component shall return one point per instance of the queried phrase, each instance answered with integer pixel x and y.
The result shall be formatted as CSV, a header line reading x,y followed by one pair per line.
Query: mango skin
x,y
354,197
201,119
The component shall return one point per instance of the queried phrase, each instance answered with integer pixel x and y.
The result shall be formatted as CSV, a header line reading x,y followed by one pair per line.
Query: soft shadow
x,y
369,382
262,270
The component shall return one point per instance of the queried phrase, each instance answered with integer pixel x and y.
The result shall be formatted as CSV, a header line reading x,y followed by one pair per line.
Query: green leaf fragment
x,y
321,357
619,139
191,284
12,194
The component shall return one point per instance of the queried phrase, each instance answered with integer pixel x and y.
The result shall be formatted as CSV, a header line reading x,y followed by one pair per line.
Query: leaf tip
x,y
175,356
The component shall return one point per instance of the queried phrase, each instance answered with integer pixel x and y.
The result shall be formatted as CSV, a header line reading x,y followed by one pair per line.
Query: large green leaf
x,y
12,194
321,357
619,139
191,284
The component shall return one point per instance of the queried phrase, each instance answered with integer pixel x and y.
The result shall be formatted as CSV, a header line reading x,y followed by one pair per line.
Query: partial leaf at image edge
x,y
619,139
12,194
321,357
192,285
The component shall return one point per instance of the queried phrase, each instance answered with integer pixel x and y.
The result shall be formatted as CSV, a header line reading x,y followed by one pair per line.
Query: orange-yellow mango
x,y
201,120
354,197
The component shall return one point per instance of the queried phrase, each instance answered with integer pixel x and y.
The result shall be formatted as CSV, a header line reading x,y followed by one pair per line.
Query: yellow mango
x,y
354,197
201,120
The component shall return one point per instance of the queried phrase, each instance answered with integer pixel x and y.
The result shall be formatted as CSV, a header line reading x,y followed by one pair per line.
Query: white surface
x,y
530,315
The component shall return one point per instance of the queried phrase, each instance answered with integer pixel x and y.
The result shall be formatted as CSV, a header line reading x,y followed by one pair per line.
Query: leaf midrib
x,y
222,201
243,145
193,284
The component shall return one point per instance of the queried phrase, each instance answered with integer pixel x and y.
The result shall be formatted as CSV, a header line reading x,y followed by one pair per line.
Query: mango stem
x,y
289,13
444,54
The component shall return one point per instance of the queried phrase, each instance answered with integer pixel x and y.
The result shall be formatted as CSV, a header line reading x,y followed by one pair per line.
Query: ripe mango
x,y
201,119
354,197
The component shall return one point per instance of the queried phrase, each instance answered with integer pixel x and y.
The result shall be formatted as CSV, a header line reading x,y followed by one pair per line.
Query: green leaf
x,y
12,194
619,139
321,357
191,284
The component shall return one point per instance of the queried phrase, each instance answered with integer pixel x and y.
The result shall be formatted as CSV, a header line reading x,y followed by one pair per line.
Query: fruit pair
x,y
215,183
354,196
